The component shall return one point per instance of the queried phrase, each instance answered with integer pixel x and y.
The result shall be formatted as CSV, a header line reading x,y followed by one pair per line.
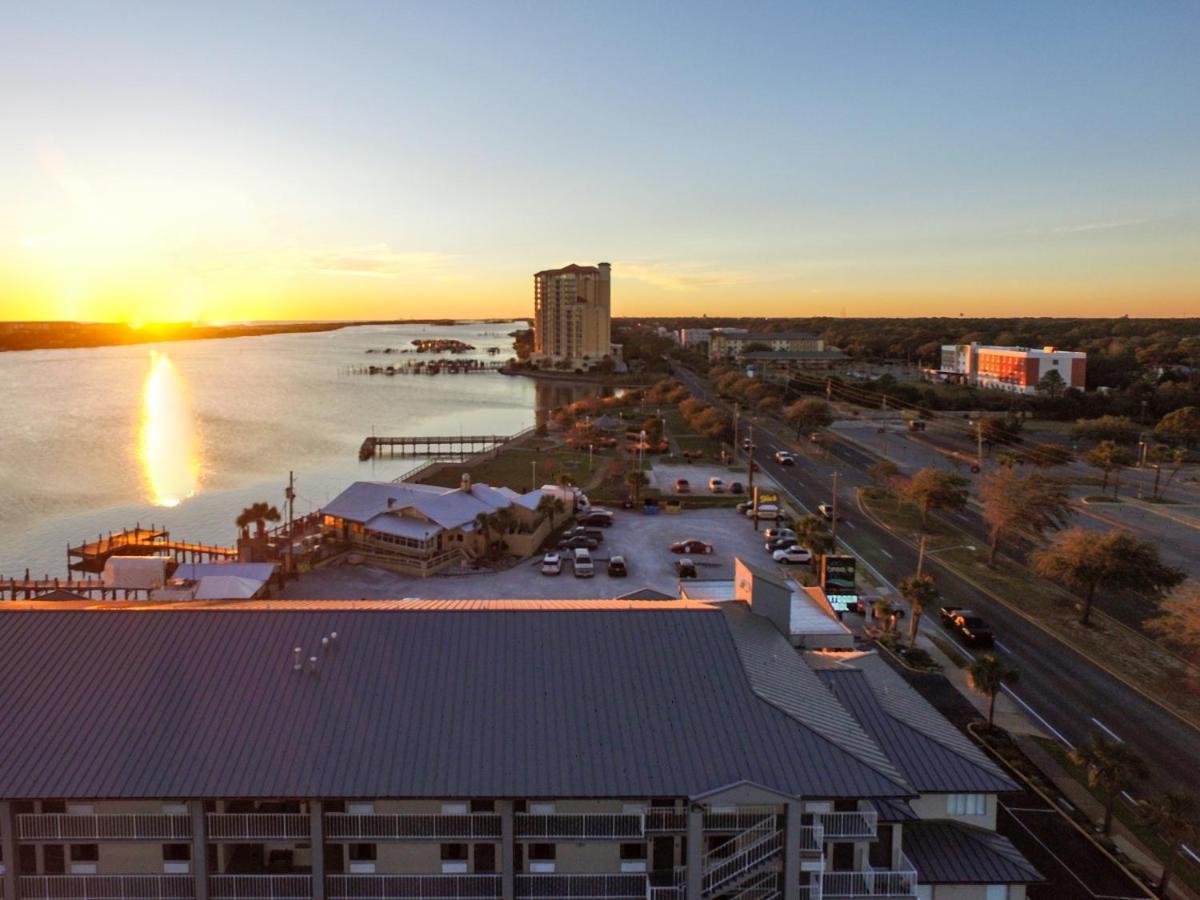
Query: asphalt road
x,y
1060,689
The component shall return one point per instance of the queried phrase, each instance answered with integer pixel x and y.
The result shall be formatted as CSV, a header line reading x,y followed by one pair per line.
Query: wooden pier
x,y
432,367
431,445
138,541
58,588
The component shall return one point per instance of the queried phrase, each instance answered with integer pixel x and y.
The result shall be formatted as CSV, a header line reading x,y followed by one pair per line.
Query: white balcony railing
x,y
584,826
759,847
738,819
106,887
842,826
64,827
260,887
258,826
412,887
581,887
812,839
467,826
884,883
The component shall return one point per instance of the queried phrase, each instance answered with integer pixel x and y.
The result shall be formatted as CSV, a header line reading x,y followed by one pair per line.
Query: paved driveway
x,y
643,541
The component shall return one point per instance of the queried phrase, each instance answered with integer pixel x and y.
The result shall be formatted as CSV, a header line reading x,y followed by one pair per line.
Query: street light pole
x,y
834,511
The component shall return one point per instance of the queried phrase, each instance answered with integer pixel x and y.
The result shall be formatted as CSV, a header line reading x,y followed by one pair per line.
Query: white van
x,y
583,563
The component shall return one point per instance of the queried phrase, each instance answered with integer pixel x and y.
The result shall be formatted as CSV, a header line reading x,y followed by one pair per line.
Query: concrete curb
x,y
973,728
1033,621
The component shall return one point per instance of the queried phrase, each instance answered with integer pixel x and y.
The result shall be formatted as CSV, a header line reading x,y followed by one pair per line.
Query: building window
x,y
966,804
485,858
997,892
177,852
362,852
542,852
85,852
454,852
633,851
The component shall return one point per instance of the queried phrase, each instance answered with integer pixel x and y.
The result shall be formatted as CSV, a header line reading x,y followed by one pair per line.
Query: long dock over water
x,y
431,445
138,541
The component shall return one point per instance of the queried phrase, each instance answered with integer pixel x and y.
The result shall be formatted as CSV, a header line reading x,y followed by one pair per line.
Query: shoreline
x,y
17,337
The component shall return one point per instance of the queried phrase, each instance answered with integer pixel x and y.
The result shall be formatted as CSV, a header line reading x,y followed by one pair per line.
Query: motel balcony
x,y
106,887
412,827
860,825
63,827
899,883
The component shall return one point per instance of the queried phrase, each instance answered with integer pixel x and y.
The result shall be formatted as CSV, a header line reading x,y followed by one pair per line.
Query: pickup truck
x,y
968,625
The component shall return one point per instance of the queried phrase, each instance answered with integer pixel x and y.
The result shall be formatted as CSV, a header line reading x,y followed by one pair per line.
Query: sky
x,y
297,160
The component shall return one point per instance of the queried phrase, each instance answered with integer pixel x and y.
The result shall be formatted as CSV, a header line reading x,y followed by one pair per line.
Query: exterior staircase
x,y
744,867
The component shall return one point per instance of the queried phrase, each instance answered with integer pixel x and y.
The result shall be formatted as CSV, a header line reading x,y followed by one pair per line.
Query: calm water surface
x,y
186,434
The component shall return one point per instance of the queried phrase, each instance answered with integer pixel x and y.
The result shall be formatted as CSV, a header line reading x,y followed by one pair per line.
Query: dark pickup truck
x,y
968,625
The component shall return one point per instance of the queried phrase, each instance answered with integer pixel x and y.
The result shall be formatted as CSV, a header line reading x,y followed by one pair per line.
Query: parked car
x,y
582,564
826,511
792,554
916,425
579,542
766,511
780,543
682,486
594,533
617,567
736,487
775,531
746,444
785,458
972,628
692,545
745,505
597,516
551,564
716,486
814,438
685,568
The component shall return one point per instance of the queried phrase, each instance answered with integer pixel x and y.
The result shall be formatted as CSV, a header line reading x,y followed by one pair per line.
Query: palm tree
x,y
988,675
812,533
1083,560
1111,767
885,612
548,507
635,480
1173,818
258,514
920,592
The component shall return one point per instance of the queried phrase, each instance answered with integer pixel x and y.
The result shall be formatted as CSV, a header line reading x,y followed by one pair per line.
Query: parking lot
x,y
642,539
664,477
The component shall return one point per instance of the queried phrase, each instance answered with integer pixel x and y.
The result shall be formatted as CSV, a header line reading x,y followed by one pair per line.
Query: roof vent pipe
x,y
297,659
325,642
312,664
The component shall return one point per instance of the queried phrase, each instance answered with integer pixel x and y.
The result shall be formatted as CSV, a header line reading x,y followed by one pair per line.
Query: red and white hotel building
x,y
1016,369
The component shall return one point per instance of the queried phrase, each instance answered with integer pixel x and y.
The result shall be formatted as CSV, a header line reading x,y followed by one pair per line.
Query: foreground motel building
x,y
671,750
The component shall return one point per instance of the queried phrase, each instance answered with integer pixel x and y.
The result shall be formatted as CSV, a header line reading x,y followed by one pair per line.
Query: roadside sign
x,y
837,576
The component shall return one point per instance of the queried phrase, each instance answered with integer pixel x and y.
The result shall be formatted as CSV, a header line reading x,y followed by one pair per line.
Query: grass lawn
x,y
523,467
1134,657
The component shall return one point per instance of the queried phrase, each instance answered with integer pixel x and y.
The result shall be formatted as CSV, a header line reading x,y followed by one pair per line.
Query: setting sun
x,y
169,449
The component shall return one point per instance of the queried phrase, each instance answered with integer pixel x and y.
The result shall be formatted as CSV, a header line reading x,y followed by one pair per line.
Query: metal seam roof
x,y
947,852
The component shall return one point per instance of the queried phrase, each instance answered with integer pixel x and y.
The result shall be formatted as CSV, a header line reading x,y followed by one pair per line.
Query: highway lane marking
x,y
885,553
1112,734
848,524
1190,852
1058,734
1066,868
1002,646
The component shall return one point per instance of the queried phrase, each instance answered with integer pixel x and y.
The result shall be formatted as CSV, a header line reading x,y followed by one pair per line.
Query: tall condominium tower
x,y
571,319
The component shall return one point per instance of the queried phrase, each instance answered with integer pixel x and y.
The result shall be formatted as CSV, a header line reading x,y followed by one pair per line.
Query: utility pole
x,y
290,496
979,443
828,390
921,557
533,474
736,439
834,512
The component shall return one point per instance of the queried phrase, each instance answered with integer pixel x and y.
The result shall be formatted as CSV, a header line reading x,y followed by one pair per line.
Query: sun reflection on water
x,y
169,449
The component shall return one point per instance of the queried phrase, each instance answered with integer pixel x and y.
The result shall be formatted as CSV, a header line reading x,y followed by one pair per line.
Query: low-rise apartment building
x,y
1018,369
732,345
423,528
334,750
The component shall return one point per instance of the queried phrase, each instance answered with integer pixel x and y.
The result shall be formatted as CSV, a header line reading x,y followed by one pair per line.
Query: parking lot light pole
x,y
833,518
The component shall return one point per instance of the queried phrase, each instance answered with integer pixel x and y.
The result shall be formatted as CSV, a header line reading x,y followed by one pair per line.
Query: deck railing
x,y
900,882
581,887
258,826
412,887
849,825
583,826
663,819
67,827
751,849
465,826
106,887
260,887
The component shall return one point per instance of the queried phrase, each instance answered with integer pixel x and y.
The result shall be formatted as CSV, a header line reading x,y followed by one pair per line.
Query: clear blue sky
x,y
347,159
